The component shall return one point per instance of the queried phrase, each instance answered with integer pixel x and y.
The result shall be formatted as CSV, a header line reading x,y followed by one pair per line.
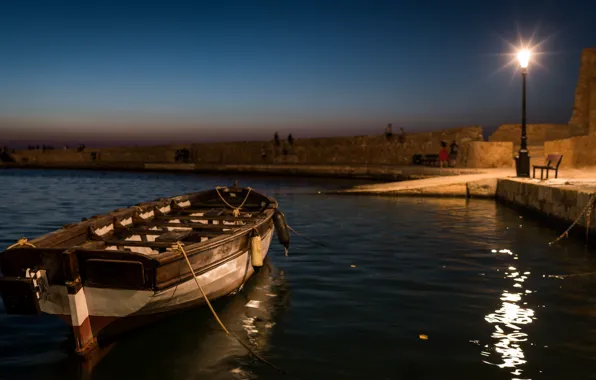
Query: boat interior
x,y
155,227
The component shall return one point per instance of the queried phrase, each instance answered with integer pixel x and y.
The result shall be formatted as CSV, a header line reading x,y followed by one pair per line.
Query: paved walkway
x,y
575,179
567,177
431,182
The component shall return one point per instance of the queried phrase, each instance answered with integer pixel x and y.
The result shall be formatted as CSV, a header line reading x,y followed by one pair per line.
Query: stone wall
x,y
583,119
373,150
482,154
536,133
561,205
578,152
592,112
108,155
357,150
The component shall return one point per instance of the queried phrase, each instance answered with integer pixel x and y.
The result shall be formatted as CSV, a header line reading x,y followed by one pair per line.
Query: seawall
x,y
357,156
557,204
373,172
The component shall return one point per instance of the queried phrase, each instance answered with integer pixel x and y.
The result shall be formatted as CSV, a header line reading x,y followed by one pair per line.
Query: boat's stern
x,y
24,280
40,280
22,295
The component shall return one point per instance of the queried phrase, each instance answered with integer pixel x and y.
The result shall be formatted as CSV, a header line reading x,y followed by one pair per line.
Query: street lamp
x,y
523,160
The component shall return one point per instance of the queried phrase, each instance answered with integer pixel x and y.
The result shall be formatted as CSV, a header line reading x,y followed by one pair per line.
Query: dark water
x,y
471,276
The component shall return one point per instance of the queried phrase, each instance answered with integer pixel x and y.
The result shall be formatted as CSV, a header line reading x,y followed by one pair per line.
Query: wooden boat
x,y
116,271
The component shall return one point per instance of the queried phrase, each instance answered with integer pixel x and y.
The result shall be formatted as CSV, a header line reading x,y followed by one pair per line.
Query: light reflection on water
x,y
508,322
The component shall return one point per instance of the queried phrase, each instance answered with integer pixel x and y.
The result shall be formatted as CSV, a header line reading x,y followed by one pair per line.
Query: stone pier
x,y
558,202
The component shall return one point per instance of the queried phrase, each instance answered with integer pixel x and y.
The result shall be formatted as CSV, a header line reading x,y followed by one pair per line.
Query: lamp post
x,y
523,160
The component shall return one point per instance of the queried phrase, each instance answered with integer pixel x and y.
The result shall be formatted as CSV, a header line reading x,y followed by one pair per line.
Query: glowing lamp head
x,y
524,58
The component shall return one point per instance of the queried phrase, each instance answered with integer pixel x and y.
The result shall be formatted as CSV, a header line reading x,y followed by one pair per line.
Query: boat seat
x,y
173,236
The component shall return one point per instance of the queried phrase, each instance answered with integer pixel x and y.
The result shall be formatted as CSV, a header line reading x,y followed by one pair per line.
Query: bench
x,y
431,159
548,166
417,159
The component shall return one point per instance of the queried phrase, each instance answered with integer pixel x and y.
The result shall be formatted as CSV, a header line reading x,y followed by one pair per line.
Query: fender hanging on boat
x,y
256,256
281,227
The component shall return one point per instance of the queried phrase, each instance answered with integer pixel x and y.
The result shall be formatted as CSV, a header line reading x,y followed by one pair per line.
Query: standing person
x,y
453,152
276,139
443,155
402,136
290,139
388,132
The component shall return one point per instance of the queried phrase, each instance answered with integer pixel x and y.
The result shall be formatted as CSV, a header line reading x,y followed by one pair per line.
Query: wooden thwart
x,y
224,218
197,225
134,243
144,231
174,236
201,207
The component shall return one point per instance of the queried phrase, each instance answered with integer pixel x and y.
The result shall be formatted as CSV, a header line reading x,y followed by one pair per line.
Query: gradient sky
x,y
137,72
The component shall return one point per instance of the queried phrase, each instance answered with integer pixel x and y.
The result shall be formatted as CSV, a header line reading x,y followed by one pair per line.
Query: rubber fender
x,y
281,227
255,251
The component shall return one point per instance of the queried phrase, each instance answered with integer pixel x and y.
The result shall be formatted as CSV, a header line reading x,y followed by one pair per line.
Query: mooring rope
x,y
22,242
179,247
306,238
236,211
571,275
588,211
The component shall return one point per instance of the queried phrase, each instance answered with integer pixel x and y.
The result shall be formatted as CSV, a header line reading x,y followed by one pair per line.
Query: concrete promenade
x,y
478,183
468,183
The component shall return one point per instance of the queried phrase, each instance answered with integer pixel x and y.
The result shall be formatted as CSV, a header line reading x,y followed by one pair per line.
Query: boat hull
x,y
105,313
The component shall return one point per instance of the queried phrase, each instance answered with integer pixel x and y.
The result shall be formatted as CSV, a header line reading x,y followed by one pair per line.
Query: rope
x,y
571,275
587,210
304,237
236,211
21,243
588,217
228,333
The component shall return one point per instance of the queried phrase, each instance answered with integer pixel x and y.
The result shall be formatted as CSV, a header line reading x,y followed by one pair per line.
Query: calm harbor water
x,y
475,278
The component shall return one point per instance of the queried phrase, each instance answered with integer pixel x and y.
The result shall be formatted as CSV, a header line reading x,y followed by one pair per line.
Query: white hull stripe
x,y
78,304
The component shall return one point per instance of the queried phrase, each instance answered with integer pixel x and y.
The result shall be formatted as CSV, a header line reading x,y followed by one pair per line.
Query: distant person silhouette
x,y
402,136
454,148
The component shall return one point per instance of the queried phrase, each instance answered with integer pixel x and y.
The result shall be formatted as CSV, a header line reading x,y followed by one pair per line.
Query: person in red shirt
x,y
443,154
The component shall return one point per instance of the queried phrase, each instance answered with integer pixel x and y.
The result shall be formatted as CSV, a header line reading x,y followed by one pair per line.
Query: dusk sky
x,y
139,72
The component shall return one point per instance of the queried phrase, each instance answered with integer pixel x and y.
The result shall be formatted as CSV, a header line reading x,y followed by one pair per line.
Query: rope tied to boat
x,y
22,242
306,238
236,210
586,211
179,247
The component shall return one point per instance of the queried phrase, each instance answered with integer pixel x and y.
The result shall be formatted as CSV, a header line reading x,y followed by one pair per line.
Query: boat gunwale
x,y
164,258
101,220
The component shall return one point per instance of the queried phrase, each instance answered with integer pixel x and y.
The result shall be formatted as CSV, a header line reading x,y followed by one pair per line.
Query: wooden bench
x,y
431,159
548,165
